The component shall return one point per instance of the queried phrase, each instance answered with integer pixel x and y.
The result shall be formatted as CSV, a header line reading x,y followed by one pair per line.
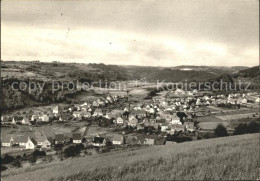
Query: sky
x,y
132,32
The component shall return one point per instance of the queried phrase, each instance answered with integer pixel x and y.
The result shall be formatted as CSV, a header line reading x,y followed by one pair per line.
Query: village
x,y
168,118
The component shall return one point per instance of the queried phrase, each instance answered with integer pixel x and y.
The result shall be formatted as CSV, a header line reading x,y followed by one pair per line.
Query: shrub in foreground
x,y
220,131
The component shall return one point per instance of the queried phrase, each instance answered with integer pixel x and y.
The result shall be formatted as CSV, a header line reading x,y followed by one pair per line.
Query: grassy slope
x,y
226,158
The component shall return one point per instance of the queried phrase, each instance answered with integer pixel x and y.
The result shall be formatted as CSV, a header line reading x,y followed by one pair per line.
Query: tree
x,y
72,151
253,127
38,153
220,131
7,159
240,129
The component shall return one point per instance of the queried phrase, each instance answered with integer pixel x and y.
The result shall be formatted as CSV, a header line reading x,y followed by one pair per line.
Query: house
x,y
22,140
84,108
77,138
139,127
109,98
98,112
59,139
77,107
77,114
126,109
149,141
131,116
175,119
111,116
119,120
86,114
63,117
117,111
84,104
139,113
95,104
151,111
25,120
166,116
118,139
179,91
5,119
100,102
35,117
47,143
99,141
156,126
17,119
7,141
242,101
31,143
146,122
133,122
189,126
44,118
56,110
178,127
40,138
171,131
164,127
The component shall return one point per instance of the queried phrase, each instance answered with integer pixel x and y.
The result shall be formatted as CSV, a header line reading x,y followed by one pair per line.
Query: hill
x,y
249,76
42,72
227,158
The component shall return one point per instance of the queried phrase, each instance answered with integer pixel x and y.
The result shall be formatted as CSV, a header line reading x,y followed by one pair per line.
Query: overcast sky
x,y
153,33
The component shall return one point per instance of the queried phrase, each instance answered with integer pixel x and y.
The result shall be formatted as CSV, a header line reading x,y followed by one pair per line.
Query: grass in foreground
x,y
227,158
228,161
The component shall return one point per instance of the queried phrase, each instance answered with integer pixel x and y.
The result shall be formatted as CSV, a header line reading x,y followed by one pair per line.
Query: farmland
x,y
216,159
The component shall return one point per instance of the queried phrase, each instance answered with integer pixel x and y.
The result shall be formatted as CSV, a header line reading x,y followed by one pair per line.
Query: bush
x,y
32,159
7,159
73,150
206,135
240,129
48,158
253,127
178,139
17,163
243,128
38,153
18,157
220,131
3,168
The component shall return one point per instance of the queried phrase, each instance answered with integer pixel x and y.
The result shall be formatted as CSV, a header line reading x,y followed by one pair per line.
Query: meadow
x,y
228,158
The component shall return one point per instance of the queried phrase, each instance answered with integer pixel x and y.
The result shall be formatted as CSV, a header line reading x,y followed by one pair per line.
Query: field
x,y
235,116
228,158
211,125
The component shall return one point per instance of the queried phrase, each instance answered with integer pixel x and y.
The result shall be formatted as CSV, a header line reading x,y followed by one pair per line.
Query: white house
x,y
98,112
44,118
77,138
7,141
56,110
77,114
31,144
118,140
99,141
164,127
47,143
119,120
